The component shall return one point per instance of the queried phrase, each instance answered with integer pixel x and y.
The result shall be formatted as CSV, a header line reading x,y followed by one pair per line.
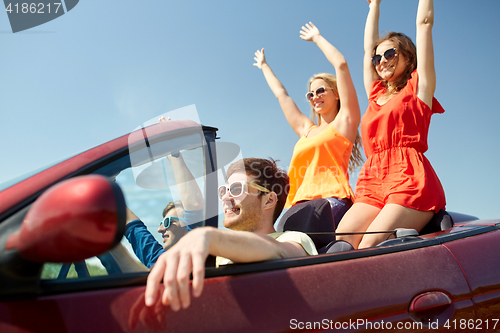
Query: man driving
x,y
253,199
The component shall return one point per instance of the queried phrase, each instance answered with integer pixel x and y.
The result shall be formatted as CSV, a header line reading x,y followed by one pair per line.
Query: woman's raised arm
x,y
371,36
349,112
425,52
297,120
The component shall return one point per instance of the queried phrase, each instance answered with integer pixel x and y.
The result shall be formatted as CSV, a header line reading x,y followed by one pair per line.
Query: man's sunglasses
x,y
167,221
319,92
238,188
388,55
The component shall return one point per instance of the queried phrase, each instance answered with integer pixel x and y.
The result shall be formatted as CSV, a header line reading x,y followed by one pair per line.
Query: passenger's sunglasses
x,y
238,188
319,92
167,221
388,55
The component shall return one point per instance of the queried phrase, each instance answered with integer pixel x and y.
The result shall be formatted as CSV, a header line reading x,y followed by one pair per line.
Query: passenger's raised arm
x,y
310,32
425,52
349,112
189,191
371,36
298,121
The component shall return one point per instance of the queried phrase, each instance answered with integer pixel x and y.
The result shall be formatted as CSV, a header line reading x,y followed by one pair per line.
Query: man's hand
x,y
175,267
190,253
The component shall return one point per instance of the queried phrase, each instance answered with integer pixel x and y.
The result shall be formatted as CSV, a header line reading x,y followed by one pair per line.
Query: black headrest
x,y
336,247
310,216
440,221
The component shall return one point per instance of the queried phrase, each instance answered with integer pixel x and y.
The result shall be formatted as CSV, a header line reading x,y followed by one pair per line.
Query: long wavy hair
x,y
356,159
404,46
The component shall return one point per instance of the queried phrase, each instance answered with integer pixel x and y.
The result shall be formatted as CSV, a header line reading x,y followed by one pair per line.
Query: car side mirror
x,y
74,220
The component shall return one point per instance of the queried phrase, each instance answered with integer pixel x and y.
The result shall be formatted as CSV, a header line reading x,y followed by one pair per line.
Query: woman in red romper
x,y
397,187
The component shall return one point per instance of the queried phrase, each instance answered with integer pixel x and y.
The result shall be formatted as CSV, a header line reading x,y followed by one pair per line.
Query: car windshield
x,y
20,178
164,181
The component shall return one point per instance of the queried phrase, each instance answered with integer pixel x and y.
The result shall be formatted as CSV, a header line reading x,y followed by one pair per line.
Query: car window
x,y
153,175
70,270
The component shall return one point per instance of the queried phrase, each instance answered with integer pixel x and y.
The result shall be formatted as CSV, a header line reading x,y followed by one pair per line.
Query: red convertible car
x,y
57,273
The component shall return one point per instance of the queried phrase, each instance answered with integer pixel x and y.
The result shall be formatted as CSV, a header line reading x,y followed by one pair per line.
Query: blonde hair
x,y
356,159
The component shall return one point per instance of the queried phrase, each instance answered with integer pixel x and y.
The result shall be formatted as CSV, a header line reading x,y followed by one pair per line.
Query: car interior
x,y
315,219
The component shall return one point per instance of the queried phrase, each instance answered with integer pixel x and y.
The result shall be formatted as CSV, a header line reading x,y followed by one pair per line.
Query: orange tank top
x,y
320,167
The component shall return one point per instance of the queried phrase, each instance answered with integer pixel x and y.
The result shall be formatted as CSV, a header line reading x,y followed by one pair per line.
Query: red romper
x,y
394,140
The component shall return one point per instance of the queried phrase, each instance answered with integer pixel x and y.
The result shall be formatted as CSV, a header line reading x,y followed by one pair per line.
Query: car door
x,y
353,291
479,259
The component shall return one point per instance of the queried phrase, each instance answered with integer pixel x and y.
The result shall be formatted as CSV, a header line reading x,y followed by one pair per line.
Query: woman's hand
x,y
260,58
309,31
374,1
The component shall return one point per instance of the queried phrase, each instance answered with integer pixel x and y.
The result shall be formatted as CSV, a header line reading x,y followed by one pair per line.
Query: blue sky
x,y
105,67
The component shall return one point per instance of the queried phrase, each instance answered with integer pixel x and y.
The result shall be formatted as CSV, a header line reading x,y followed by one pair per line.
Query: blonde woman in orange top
x,y
322,157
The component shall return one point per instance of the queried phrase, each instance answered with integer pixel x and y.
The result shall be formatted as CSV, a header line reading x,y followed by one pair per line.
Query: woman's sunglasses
x,y
388,55
167,221
238,188
319,92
